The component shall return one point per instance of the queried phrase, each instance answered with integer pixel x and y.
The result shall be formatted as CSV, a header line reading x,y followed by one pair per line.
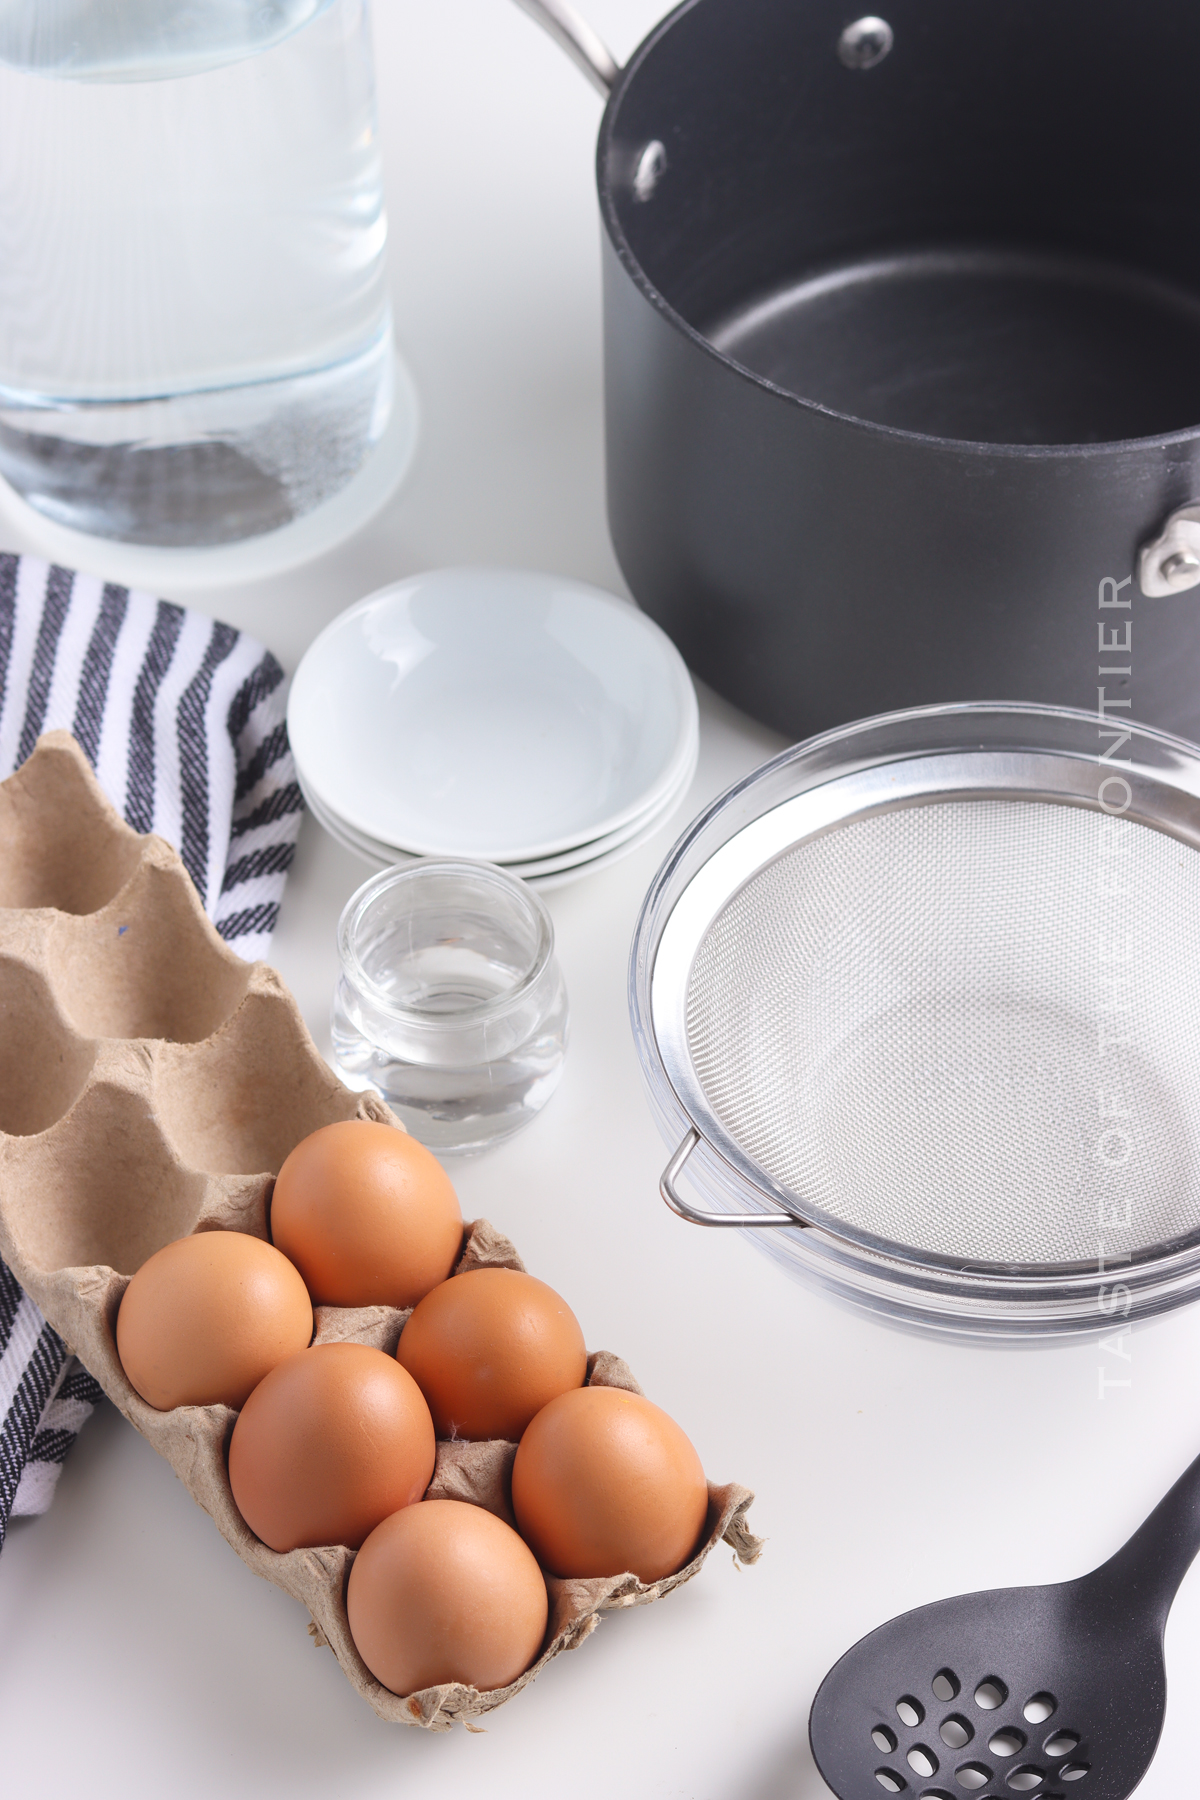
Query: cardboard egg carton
x,y
151,1084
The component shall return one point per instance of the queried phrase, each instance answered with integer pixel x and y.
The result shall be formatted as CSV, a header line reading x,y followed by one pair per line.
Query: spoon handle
x,y
1147,1571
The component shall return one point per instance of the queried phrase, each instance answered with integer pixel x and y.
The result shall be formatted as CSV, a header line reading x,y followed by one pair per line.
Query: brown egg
x,y
488,1349
207,1317
329,1444
606,1482
446,1592
367,1215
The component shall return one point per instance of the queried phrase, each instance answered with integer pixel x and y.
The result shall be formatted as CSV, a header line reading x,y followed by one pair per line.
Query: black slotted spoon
x,y
1057,1692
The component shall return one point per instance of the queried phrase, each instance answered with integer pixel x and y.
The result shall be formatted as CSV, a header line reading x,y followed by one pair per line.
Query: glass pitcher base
x,y
181,568
198,470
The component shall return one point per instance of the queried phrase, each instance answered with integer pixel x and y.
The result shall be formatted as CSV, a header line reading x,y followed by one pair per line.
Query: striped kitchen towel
x,y
183,721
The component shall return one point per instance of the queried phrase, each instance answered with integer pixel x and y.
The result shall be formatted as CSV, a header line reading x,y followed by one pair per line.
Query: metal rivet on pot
x,y
1170,562
865,43
651,166
1180,570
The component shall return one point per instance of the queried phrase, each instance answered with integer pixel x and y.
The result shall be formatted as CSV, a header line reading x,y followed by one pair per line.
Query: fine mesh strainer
x,y
919,1002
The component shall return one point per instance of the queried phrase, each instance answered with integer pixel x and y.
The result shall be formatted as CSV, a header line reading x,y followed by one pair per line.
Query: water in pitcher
x,y
195,338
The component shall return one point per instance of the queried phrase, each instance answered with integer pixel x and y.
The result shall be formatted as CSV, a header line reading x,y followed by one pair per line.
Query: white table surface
x,y
138,1657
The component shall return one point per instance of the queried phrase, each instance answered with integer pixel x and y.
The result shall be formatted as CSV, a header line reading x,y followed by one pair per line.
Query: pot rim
x,y
606,189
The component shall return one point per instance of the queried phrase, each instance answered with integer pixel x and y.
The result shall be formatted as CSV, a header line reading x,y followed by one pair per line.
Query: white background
x,y
138,1657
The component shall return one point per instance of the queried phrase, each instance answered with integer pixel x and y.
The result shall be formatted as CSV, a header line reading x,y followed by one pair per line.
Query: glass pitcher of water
x,y
195,336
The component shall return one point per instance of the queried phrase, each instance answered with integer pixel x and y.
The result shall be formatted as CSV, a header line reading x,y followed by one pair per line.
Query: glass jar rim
x,y
514,890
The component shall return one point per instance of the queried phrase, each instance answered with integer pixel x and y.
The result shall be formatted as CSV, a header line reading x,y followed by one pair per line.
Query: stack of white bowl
x,y
498,715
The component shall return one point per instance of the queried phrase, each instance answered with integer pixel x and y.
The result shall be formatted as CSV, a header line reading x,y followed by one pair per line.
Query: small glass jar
x,y
450,1002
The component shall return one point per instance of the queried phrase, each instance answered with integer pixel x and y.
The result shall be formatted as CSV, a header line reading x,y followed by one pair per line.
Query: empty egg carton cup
x,y
151,1084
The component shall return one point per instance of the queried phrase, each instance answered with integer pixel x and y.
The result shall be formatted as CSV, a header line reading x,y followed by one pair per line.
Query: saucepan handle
x,y
578,39
693,1214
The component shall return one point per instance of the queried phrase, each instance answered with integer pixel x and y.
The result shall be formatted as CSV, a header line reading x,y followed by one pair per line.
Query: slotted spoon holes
x,y
990,1694
972,1776
1061,1743
922,1761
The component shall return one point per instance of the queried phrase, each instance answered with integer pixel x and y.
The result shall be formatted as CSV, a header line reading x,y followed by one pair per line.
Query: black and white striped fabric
x,y
183,721
45,1396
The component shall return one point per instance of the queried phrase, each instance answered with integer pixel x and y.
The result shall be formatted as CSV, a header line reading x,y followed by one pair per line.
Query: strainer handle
x,y
694,1215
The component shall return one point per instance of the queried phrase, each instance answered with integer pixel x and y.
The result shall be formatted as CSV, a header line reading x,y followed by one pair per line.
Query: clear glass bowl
x,y
450,1002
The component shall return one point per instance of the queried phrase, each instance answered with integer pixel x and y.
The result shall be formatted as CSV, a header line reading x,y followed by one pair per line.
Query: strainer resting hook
x,y
696,1215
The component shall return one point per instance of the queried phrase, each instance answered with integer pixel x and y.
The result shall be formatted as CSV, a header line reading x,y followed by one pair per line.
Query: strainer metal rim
x,y
921,756
964,1303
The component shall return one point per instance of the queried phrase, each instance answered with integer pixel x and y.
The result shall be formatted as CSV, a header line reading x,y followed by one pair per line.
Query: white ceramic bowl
x,y
390,855
496,714
550,872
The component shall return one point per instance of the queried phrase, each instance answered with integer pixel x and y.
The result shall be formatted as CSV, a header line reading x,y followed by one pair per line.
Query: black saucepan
x,y
902,341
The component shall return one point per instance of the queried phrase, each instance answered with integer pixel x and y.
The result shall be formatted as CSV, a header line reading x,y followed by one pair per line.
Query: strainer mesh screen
x,y
969,1027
